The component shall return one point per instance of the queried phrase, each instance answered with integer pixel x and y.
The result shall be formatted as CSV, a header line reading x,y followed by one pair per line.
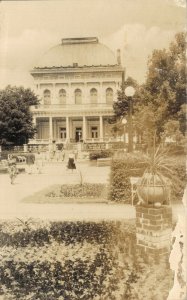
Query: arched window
x,y
47,97
78,96
109,95
93,96
62,96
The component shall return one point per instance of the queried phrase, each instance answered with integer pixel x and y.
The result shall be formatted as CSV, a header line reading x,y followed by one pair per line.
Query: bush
x,y
121,171
131,166
100,154
176,149
63,260
179,180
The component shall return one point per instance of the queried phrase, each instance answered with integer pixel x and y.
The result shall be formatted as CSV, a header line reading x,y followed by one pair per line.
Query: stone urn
x,y
153,189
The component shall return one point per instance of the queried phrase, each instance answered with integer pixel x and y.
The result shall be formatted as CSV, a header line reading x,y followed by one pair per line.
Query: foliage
x,y
76,260
163,96
121,106
94,155
16,118
121,170
84,190
134,165
172,131
64,260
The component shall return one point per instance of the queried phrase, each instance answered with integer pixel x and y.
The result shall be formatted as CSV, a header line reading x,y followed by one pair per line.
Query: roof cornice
x,y
84,69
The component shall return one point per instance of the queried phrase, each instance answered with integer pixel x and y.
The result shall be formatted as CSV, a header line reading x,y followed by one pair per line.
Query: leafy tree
x,y
161,100
166,83
121,106
15,116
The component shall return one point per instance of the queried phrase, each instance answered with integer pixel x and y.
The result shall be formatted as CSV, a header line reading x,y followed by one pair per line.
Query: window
x,y
93,96
62,96
109,95
47,97
78,96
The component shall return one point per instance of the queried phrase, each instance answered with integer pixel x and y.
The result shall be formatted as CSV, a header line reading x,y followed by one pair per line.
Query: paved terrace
x,y
11,196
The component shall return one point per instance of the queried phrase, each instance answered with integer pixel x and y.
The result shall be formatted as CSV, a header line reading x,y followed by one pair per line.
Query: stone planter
x,y
153,189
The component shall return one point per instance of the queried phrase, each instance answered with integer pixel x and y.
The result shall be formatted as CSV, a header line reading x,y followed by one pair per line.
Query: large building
x,y
77,82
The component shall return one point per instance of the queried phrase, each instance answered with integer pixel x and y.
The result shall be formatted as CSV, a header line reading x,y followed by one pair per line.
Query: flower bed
x,y
74,193
73,261
85,190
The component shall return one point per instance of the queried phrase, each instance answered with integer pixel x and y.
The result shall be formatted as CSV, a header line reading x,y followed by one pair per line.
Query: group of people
x,y
32,161
35,162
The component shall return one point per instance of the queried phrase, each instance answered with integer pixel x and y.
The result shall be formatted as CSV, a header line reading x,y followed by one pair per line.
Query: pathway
x,y
55,173
25,185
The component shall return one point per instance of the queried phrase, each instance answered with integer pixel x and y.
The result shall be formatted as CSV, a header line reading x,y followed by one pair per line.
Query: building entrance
x,y
78,134
63,133
94,131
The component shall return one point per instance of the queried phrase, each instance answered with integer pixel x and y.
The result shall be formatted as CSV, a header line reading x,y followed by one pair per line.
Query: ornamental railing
x,y
83,106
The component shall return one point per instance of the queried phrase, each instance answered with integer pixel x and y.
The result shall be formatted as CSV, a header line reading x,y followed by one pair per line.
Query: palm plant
x,y
154,185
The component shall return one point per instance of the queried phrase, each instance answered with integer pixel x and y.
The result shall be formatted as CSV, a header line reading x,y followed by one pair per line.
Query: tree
x,y
121,106
161,100
166,83
15,115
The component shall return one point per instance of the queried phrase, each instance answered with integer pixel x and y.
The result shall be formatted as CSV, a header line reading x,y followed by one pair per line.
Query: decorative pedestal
x,y
153,230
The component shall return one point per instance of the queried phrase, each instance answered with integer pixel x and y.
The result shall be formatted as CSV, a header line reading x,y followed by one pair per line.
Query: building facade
x,y
77,83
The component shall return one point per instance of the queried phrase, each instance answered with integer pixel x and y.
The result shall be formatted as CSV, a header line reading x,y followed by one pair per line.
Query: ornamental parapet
x,y
73,109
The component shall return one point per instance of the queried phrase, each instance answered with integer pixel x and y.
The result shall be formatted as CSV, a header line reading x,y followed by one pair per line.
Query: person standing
x,y
71,162
12,169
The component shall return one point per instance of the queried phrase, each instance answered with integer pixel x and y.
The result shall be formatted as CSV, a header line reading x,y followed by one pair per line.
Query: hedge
x,y
121,171
131,166
94,155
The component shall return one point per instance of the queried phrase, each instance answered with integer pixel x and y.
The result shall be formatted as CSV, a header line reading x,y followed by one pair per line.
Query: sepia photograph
x,y
93,150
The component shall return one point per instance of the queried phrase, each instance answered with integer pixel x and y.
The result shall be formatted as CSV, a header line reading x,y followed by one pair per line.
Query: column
x,y
50,128
34,125
67,128
84,128
34,121
101,128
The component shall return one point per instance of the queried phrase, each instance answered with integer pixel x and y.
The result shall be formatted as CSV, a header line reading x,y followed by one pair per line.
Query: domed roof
x,y
78,52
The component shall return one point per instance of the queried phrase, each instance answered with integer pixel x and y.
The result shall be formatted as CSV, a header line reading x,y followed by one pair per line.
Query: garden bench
x,y
103,161
133,181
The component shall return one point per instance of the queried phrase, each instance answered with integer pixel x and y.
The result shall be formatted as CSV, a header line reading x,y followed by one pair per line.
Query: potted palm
x,y
154,186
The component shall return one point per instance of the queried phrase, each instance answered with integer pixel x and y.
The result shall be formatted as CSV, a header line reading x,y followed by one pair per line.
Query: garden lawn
x,y
70,193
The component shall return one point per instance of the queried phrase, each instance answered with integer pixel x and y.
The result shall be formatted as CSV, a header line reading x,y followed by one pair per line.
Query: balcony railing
x,y
69,107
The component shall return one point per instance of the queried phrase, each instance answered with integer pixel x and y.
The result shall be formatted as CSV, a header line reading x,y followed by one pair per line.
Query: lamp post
x,y
129,92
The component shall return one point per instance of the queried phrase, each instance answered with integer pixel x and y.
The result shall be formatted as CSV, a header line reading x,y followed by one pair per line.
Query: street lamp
x,y
129,92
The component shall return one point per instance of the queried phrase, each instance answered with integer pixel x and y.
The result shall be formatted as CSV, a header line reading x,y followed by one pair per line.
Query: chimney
x,y
118,57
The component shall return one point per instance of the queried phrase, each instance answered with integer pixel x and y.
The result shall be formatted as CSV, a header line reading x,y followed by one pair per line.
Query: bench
x,y
134,181
103,162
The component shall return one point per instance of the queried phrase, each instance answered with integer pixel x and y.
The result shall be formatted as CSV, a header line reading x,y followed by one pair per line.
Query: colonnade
x,y
68,119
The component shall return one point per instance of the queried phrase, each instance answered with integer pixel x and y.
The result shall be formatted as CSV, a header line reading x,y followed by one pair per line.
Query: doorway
x,y
94,132
78,134
63,133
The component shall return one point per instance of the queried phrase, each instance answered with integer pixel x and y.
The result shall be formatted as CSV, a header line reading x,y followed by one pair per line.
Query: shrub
x,y
64,260
121,171
130,165
100,154
179,180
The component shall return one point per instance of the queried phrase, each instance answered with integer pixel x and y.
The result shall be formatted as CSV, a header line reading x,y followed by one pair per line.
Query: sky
x,y
29,28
